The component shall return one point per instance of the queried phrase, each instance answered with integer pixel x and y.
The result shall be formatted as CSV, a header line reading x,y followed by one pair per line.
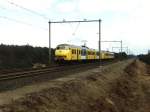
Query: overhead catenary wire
x,y
21,22
29,10
76,29
3,8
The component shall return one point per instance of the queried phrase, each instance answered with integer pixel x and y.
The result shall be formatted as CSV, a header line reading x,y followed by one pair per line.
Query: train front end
x,y
62,53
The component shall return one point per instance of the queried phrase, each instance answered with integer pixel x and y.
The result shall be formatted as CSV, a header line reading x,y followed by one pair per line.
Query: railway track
x,y
5,71
35,72
30,73
14,80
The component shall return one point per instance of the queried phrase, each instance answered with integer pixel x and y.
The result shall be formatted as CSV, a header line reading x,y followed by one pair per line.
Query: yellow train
x,y
66,52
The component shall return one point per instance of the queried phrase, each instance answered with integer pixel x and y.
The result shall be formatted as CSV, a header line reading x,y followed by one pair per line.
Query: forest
x,y
13,56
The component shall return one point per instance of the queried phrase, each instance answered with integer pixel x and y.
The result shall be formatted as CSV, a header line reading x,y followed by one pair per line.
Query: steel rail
x,y
6,71
10,76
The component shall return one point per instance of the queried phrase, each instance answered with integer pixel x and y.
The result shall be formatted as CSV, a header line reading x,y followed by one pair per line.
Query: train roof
x,y
84,47
75,46
69,45
107,52
103,51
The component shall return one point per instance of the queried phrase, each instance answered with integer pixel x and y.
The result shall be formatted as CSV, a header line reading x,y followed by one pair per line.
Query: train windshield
x,y
62,47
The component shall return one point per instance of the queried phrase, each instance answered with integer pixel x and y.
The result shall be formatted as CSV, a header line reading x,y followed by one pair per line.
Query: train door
x,y
77,54
73,54
83,54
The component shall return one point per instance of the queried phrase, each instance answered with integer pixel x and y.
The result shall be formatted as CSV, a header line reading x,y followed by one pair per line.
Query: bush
x,y
145,58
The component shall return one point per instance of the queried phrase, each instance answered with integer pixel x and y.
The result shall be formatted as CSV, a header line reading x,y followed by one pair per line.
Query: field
x,y
120,87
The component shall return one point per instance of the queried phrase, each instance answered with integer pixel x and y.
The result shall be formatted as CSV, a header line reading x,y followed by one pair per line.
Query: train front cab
x,y
67,54
62,53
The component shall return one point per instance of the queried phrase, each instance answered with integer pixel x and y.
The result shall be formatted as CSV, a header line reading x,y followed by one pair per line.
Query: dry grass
x,y
115,89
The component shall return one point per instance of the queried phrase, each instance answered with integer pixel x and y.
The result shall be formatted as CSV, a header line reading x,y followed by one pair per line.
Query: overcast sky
x,y
26,22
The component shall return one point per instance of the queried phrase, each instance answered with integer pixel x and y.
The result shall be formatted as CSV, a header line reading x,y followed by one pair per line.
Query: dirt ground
x,y
120,87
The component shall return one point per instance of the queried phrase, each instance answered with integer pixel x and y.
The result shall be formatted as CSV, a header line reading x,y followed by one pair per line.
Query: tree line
x,y
145,58
13,56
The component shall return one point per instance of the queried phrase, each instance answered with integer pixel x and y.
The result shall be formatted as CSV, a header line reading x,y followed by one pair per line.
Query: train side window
x,y
97,53
73,51
85,52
